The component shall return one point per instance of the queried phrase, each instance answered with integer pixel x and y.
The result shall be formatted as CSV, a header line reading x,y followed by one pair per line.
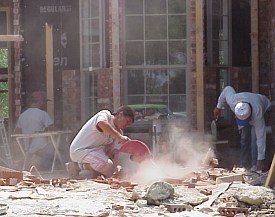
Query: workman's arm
x,y
261,137
105,127
225,97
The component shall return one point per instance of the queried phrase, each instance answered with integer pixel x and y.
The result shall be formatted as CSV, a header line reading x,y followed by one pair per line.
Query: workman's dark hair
x,y
127,111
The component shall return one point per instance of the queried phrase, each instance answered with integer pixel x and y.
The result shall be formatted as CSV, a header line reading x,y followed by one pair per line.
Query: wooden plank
x,y
11,38
270,180
115,53
199,65
49,69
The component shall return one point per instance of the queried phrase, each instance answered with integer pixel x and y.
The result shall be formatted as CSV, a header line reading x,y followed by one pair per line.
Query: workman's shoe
x,y
72,169
253,169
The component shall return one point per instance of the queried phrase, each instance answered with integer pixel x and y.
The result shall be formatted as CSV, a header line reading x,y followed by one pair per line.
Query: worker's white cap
x,y
243,113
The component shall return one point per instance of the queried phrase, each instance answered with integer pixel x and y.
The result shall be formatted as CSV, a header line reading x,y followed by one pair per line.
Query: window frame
x,y
166,66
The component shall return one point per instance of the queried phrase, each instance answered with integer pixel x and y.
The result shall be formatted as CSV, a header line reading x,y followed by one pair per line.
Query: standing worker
x,y
249,109
95,145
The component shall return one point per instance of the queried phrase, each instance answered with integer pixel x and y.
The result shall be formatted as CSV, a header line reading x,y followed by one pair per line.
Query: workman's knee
x,y
104,168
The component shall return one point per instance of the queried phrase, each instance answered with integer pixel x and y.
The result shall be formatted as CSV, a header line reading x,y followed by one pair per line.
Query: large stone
x,y
254,195
158,192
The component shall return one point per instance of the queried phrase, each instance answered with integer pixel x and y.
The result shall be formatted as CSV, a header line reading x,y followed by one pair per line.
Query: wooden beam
x,y
254,46
199,66
270,180
11,38
49,69
115,54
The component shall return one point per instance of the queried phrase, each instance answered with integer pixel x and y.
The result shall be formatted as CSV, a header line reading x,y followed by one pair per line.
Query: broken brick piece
x,y
232,211
206,192
11,174
175,207
230,178
117,207
46,181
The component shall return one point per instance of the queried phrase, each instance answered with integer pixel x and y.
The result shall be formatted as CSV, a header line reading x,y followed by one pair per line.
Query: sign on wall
x,y
63,15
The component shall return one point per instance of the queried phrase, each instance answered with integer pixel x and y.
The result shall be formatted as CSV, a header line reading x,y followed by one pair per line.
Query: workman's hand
x,y
123,139
217,113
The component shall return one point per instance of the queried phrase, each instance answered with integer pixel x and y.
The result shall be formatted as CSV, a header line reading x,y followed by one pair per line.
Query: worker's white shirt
x,y
259,103
34,120
90,138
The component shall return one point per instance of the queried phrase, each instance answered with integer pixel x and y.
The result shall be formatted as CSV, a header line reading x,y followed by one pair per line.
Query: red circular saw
x,y
139,151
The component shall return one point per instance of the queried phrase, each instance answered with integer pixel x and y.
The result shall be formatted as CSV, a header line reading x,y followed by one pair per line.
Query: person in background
x,y
249,109
34,120
95,146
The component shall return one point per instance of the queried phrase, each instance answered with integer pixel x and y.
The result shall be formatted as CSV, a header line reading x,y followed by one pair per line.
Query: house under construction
x,y
94,54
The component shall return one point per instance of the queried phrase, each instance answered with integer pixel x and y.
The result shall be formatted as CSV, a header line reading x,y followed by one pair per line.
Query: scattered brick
x,y
232,211
175,207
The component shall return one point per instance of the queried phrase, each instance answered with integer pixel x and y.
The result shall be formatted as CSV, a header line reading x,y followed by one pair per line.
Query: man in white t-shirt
x,y
32,120
96,144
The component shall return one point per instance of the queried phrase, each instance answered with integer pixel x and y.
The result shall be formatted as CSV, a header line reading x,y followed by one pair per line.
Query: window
x,y
91,21
156,52
218,32
4,102
4,63
92,28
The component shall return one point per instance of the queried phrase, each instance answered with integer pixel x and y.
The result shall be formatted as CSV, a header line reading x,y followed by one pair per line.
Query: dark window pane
x,y
176,6
177,26
177,81
215,52
133,7
135,82
177,103
95,55
3,23
134,53
3,27
85,8
86,31
95,30
216,24
134,28
177,52
155,27
86,50
94,8
216,7
136,99
157,99
155,6
156,53
156,81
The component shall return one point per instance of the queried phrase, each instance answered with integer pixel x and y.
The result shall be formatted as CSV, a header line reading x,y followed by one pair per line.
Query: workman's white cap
x,y
243,113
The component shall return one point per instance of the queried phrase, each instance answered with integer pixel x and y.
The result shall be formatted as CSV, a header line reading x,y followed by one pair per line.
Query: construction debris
x,y
214,192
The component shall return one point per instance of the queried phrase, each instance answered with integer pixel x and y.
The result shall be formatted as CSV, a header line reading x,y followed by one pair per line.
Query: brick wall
x,y
192,63
71,99
267,57
104,89
16,52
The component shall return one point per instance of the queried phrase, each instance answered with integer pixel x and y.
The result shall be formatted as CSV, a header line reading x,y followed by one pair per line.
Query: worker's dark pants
x,y
245,140
249,150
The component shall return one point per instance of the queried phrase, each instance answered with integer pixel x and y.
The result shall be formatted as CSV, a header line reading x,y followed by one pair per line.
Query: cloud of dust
x,y
184,153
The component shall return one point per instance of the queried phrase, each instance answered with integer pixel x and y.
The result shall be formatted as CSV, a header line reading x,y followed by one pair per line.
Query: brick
x,y
11,174
230,178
